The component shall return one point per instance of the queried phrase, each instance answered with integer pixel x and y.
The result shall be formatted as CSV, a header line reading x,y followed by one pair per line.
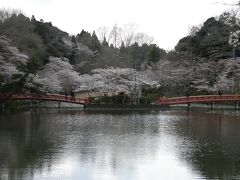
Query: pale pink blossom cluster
x,y
10,61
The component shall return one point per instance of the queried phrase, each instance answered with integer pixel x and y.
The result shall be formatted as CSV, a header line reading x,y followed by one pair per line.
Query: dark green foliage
x,y
136,55
134,52
144,54
89,40
155,53
211,41
122,49
150,97
172,55
21,31
33,18
15,86
95,44
105,43
53,39
84,37
73,40
108,57
117,99
73,54
152,94
133,56
39,40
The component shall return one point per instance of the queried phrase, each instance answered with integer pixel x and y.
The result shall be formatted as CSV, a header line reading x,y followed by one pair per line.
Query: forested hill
x,y
211,40
39,40
36,56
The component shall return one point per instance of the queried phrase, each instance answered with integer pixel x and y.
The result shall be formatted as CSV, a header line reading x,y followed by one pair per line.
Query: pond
x,y
107,145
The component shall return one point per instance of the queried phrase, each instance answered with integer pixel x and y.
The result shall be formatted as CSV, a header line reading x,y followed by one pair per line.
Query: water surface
x,y
73,144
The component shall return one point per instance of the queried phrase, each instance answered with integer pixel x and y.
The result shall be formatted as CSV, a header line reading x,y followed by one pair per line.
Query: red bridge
x,y
47,97
198,99
86,101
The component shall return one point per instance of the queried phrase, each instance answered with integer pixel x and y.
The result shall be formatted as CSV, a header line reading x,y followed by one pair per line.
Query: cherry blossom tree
x,y
57,76
114,80
234,40
229,78
10,62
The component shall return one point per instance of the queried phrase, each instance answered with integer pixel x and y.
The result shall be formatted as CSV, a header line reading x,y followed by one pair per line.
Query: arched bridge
x,y
198,99
86,101
47,97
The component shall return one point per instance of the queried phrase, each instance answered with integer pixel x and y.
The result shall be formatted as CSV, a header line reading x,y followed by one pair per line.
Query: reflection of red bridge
x,y
48,97
199,99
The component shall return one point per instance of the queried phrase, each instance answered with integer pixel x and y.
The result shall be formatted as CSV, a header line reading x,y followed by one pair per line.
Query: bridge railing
x,y
55,97
192,99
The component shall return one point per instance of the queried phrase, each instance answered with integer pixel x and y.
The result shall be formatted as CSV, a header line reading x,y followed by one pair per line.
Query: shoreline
x,y
120,107
124,107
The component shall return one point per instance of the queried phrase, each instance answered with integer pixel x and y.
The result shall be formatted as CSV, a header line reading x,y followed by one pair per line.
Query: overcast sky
x,y
166,20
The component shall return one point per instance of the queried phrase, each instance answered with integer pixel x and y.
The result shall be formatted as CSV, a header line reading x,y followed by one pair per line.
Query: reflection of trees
x,y
210,144
32,143
27,144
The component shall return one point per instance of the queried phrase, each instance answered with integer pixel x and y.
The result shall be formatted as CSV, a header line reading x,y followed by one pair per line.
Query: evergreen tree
x,y
154,53
135,55
111,46
84,37
73,40
73,51
95,44
105,43
122,48
144,52
123,52
33,18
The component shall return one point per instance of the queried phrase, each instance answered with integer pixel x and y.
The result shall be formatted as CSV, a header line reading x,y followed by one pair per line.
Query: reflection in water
x,y
129,145
213,145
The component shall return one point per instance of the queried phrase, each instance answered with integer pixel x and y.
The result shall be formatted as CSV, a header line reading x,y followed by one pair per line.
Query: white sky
x,y
166,20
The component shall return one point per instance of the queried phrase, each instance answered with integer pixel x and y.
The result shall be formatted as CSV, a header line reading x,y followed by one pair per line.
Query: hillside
x,y
211,41
201,61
